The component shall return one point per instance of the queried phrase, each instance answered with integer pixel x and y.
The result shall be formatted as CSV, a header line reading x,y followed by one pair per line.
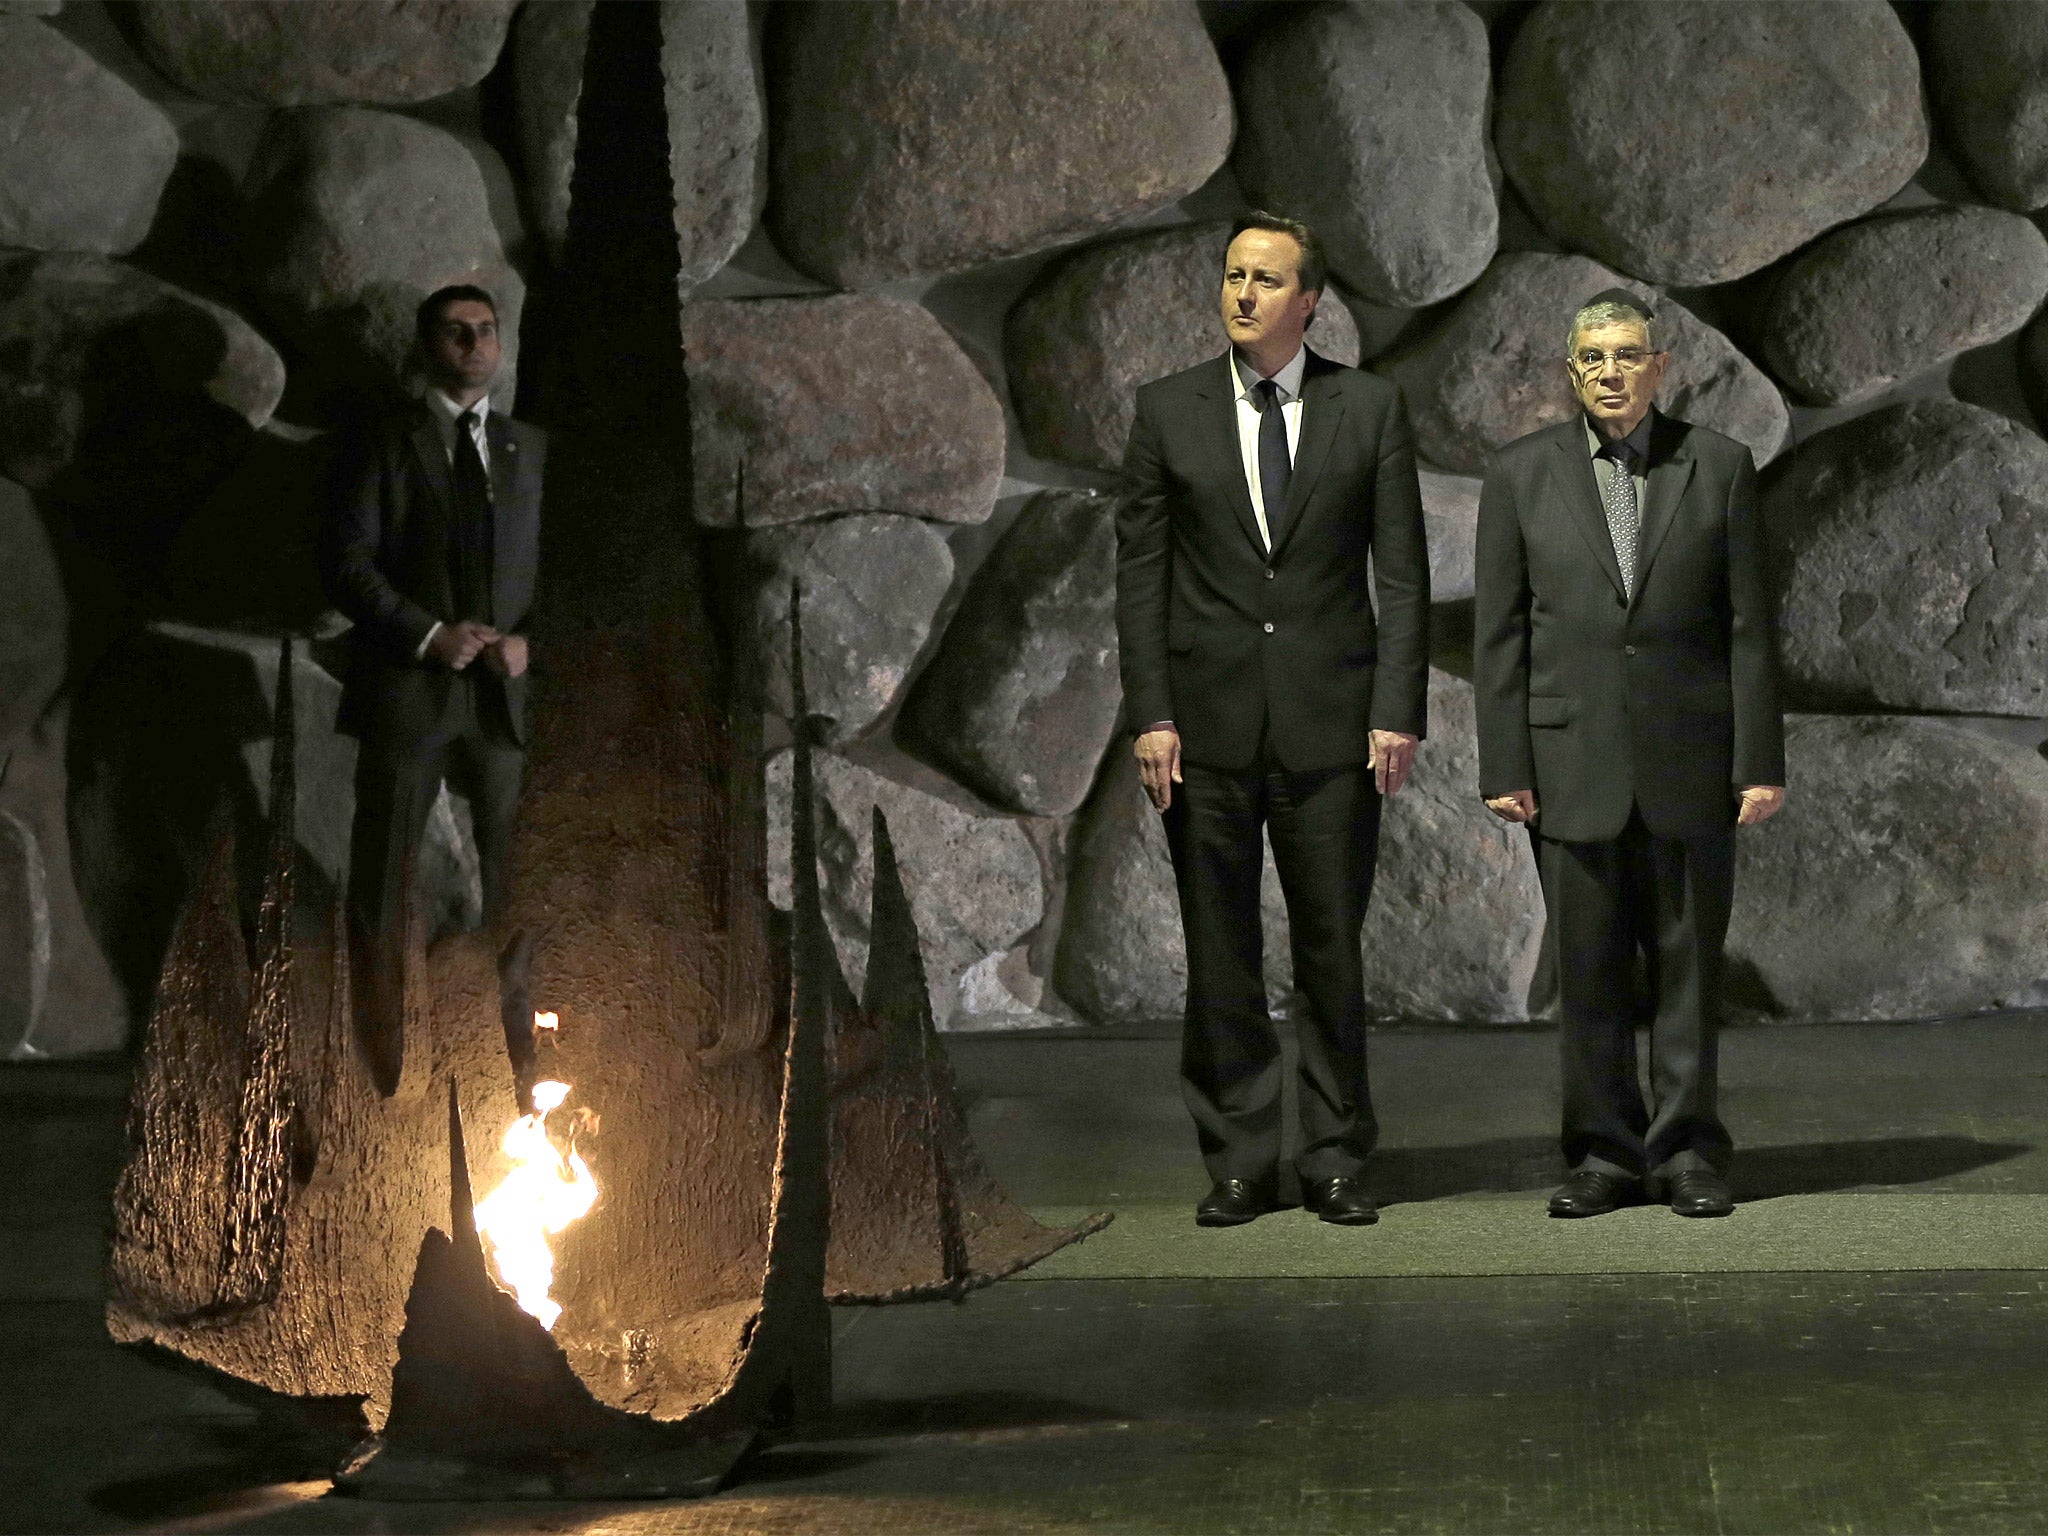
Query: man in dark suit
x,y
1266,693
430,547
1628,712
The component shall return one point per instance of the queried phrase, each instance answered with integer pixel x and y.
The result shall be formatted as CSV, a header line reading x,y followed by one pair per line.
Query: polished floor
x,y
1859,1349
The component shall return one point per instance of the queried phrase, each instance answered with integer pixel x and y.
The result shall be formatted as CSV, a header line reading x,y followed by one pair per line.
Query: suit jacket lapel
x,y
1322,408
1228,454
1574,472
426,445
1664,488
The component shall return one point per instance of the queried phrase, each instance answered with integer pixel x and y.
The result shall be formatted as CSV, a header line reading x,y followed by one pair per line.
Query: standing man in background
x,y
1268,695
1625,671
430,547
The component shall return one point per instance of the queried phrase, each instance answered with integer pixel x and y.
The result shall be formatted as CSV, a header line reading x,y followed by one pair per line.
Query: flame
x,y
549,1021
548,1188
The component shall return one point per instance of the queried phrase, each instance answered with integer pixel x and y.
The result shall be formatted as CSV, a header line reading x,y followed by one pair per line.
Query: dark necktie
x,y
470,548
1276,467
1624,517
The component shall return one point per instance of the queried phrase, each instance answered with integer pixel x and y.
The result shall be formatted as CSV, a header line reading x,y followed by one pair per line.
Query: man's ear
x,y
1315,303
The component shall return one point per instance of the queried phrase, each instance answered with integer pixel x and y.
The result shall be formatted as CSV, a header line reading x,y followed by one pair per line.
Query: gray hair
x,y
1614,308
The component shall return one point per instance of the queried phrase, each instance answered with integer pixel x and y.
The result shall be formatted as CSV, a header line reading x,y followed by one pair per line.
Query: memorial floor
x,y
1862,1347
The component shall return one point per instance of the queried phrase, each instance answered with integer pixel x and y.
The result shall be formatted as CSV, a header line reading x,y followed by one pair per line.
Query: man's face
x,y
1265,309
462,345
1616,374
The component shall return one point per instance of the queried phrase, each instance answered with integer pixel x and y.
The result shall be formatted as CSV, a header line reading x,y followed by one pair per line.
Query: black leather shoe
x,y
1700,1192
1341,1201
1589,1192
1232,1203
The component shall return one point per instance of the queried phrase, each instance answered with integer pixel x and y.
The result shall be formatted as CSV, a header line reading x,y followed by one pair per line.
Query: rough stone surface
x,y
124,397
1494,370
1910,547
911,139
315,53
1718,139
1120,955
30,7
1372,122
1874,303
1456,920
58,995
1022,698
33,615
175,726
716,148
871,584
973,881
1450,516
1906,877
1097,324
354,217
83,156
801,408
1987,72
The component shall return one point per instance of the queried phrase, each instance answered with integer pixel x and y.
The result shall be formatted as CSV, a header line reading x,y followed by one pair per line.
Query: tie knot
x,y
1622,454
1268,393
467,420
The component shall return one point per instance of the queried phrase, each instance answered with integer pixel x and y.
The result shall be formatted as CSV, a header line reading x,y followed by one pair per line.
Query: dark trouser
x,y
1325,831
396,786
1671,898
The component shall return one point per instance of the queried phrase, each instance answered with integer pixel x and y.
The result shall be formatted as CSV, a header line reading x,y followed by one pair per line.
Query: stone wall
x,y
929,250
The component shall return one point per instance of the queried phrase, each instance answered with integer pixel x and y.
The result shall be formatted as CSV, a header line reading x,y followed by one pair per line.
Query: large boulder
x,y
1907,875
1450,518
1493,369
802,408
33,615
1691,142
174,731
1869,305
354,217
83,155
1097,324
124,398
58,994
974,882
713,94
1911,550
318,53
1120,956
1022,698
1372,122
870,585
1456,920
245,557
1987,72
910,140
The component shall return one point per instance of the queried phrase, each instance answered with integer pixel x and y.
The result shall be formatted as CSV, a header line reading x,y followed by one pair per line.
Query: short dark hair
x,y
428,315
1314,268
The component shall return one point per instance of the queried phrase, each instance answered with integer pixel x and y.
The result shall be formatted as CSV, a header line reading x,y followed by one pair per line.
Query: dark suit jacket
x,y
1597,703
1218,637
384,550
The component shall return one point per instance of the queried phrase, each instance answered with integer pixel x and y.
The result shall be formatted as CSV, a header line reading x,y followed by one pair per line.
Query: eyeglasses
x,y
1627,359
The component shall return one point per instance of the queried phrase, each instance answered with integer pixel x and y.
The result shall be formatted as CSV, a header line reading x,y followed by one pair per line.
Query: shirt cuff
x,y
1160,725
421,653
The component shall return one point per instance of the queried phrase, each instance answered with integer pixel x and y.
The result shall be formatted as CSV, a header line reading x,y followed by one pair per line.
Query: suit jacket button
x,y
1628,650
1269,629
1269,573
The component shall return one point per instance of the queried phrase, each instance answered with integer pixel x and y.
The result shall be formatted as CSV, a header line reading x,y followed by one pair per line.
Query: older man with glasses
x,y
1628,714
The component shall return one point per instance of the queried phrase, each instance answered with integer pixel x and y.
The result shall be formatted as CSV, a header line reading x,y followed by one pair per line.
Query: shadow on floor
x,y
1814,1168
1500,1165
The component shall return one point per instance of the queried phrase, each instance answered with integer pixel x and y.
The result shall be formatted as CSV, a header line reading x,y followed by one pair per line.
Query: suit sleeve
x,y
1500,641
351,534
1400,564
1752,640
1143,556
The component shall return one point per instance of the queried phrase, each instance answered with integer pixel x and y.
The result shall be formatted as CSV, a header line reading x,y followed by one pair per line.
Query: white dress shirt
x,y
445,414
1243,377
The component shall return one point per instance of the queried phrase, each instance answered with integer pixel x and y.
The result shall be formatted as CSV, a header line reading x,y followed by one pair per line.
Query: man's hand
x,y
506,655
1517,805
1159,765
455,646
1760,802
1392,756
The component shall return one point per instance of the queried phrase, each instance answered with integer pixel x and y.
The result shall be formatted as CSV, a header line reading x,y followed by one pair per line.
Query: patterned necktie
x,y
1276,467
1624,518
